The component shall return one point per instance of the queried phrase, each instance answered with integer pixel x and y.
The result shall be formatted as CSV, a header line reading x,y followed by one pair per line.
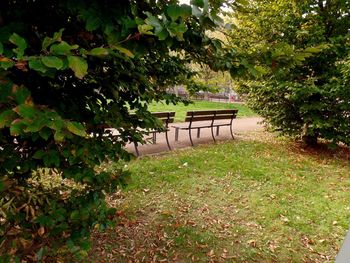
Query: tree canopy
x,y
297,56
68,70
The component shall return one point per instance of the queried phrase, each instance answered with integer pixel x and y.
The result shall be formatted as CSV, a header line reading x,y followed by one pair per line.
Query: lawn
x,y
181,109
255,199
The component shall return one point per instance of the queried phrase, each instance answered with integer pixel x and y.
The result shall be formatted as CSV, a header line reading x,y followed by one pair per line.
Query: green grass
x,y
243,110
257,200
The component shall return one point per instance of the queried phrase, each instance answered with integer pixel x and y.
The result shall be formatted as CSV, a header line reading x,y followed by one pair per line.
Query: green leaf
x,y
6,118
1,48
56,122
62,48
52,62
99,51
46,43
38,154
186,11
93,22
242,2
78,65
199,3
124,51
316,49
6,64
159,30
57,36
26,111
45,133
74,215
39,254
177,30
21,94
162,35
176,11
20,43
58,136
17,127
37,65
76,128
145,29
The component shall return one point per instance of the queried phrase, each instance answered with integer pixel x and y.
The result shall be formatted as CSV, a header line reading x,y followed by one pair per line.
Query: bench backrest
x,y
211,115
165,117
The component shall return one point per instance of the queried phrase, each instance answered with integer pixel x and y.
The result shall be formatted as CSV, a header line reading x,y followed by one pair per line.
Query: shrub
x,y
296,54
68,70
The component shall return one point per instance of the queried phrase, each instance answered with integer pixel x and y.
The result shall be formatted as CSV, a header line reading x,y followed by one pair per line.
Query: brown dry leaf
x,y
252,243
25,243
272,246
41,231
4,59
22,65
12,251
175,257
284,218
211,253
13,231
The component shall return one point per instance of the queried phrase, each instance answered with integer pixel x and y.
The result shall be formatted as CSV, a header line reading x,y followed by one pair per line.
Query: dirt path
x,y
240,125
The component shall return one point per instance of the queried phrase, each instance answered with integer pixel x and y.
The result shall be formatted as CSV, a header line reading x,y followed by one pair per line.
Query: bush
x,y
297,54
68,70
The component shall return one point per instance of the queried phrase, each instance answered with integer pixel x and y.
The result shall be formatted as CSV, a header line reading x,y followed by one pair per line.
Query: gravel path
x,y
240,125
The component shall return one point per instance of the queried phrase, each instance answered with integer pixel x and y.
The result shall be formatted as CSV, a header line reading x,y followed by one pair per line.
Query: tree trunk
x,y
309,139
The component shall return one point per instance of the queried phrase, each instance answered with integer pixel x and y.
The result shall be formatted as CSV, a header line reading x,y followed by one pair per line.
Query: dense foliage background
x,y
298,54
68,70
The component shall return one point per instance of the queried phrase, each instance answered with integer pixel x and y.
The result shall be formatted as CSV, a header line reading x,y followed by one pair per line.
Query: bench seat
x,y
197,120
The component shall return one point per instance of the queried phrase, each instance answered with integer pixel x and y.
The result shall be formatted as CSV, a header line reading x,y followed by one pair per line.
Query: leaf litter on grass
x,y
257,199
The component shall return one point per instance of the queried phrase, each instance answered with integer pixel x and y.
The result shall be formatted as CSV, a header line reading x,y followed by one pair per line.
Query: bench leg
x,y
136,149
167,140
154,138
212,133
233,137
198,132
217,130
176,134
189,132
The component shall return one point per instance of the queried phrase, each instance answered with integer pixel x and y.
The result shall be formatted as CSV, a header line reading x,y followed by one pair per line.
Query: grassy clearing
x,y
256,199
243,110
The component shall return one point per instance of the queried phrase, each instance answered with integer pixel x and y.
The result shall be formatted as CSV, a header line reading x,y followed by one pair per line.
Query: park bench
x,y
197,120
165,118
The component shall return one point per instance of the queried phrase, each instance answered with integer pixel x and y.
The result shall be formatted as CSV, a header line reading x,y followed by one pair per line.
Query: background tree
x,y
209,80
68,70
296,53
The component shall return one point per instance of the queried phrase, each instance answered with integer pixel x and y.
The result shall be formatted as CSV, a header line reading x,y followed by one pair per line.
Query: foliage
x,y
68,70
256,199
193,86
205,79
296,53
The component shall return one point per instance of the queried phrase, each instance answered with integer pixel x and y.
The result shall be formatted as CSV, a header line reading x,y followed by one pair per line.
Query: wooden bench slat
x,y
200,113
163,114
226,112
210,118
211,112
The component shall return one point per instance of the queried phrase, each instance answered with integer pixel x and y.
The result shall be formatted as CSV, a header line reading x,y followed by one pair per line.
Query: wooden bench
x,y
166,118
208,119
